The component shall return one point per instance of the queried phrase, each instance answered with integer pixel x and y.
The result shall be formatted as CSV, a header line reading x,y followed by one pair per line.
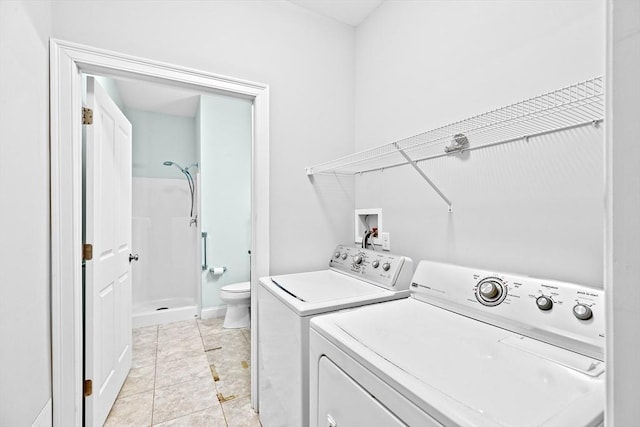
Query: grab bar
x,y
204,238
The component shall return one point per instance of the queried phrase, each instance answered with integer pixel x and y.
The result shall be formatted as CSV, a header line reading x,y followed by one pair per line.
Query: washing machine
x,y
287,303
467,348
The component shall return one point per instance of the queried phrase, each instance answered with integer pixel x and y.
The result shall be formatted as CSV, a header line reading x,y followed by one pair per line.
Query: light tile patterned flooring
x,y
191,373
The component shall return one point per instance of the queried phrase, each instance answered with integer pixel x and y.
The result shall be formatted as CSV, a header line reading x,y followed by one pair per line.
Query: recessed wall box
x,y
366,219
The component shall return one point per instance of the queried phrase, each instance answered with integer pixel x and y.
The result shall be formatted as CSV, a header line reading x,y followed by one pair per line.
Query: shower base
x,y
161,311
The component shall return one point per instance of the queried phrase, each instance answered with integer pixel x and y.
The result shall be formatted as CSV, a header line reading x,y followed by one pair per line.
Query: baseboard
x,y
45,417
213,312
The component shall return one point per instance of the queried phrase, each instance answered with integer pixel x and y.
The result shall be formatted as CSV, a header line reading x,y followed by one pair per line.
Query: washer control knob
x,y
386,266
489,291
582,312
358,259
336,255
544,303
344,255
376,264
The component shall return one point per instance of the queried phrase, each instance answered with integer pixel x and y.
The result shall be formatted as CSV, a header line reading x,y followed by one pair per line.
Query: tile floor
x,y
191,373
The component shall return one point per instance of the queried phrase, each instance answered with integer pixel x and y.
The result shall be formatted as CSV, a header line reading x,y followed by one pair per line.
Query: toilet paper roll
x,y
217,271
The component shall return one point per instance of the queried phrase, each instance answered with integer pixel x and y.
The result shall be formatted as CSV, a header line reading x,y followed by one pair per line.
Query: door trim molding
x,y
67,61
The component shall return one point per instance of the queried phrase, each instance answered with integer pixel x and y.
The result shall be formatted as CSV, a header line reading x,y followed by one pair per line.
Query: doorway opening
x,y
68,62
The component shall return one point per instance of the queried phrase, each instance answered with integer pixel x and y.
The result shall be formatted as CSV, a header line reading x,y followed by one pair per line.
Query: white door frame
x,y
67,61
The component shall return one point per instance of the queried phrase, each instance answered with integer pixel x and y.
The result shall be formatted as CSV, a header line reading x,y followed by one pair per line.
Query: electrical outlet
x,y
386,241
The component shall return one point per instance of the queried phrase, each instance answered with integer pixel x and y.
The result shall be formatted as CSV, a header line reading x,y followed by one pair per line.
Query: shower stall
x,y
190,220
164,221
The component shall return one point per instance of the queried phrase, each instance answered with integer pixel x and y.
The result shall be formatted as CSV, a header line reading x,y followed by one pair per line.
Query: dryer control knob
x,y
358,259
544,303
386,266
582,312
375,264
336,255
344,255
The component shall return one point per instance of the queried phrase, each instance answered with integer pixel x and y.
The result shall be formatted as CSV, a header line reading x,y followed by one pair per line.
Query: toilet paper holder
x,y
216,271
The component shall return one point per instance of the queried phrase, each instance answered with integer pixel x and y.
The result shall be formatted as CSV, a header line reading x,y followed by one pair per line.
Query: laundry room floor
x,y
190,373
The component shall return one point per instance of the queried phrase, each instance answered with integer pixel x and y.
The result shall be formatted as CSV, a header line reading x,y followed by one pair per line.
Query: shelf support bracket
x,y
424,176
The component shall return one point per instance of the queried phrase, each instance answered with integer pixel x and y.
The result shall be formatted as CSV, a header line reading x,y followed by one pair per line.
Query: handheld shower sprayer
x,y
190,181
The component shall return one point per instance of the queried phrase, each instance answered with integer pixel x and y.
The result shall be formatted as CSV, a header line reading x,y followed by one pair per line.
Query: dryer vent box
x,y
367,219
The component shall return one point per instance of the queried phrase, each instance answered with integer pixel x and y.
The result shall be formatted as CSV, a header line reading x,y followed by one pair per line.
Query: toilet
x,y
237,296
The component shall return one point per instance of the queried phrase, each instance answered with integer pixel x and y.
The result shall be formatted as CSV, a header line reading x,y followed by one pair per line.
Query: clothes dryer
x,y
467,348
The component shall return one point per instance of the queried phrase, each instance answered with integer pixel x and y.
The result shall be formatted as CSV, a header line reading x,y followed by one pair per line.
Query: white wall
x,y
307,60
25,357
225,160
533,208
623,220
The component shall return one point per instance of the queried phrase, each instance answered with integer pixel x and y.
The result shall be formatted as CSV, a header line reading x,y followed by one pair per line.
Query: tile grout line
x,y
224,414
155,373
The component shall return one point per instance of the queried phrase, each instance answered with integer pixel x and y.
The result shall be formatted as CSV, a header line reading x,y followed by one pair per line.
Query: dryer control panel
x,y
379,268
560,313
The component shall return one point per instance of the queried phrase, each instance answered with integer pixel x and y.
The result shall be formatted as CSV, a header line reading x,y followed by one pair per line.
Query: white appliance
x,y
468,348
287,303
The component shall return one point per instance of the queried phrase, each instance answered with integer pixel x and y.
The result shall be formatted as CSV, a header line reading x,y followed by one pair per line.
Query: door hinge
x,y
88,388
87,116
87,252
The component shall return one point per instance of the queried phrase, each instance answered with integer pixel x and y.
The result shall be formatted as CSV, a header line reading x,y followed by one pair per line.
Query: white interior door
x,y
108,273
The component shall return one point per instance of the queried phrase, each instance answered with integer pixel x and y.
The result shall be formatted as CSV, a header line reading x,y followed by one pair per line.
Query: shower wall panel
x,y
167,244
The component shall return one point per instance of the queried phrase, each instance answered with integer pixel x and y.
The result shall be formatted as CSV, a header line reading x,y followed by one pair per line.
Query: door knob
x,y
133,257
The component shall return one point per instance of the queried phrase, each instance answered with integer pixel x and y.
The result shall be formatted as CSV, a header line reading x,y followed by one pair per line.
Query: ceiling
x,y
159,98
350,12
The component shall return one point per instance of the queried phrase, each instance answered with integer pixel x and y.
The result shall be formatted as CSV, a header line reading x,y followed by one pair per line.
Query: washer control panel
x,y
491,291
379,268
561,313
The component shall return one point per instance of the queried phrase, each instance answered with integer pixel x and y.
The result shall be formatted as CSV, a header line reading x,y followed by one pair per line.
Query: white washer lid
x,y
238,287
468,371
324,285
322,291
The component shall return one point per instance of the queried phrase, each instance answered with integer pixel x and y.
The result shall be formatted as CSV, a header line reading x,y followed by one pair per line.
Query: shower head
x,y
187,174
170,163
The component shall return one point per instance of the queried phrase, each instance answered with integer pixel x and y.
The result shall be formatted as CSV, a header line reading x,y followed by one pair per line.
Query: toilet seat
x,y
237,287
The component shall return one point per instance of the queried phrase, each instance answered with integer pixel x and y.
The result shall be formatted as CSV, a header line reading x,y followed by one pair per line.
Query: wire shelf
x,y
566,108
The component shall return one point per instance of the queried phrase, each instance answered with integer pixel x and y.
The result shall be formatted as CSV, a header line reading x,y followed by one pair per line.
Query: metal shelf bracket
x,y
424,176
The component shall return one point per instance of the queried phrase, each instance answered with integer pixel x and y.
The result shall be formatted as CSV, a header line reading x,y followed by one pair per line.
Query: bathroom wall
x,y
533,208
225,144
108,84
25,266
159,137
162,234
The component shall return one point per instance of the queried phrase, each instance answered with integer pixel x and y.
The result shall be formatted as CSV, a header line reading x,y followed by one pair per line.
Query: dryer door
x,y
342,402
